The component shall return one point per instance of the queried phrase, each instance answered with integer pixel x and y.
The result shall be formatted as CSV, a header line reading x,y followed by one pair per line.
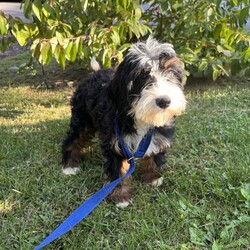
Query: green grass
x,y
203,204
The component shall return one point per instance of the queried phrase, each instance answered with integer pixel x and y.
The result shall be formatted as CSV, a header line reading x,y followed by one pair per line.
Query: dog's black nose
x,y
163,102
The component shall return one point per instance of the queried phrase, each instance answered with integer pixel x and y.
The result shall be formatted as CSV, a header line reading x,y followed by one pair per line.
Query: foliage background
x,y
205,200
208,35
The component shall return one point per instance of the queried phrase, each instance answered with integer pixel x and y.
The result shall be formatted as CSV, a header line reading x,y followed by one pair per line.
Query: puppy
x,y
143,93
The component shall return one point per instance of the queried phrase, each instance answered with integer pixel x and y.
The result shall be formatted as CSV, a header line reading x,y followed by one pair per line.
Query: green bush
x,y
208,35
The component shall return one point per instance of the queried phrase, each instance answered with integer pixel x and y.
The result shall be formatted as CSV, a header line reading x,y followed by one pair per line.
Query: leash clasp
x,y
131,158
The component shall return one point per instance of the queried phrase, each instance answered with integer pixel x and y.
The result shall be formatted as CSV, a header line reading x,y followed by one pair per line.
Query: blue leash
x,y
88,206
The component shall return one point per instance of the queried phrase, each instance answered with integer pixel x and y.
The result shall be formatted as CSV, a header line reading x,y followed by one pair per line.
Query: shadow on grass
x,y
9,112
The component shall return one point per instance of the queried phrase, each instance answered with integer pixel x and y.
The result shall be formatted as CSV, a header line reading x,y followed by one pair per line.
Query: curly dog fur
x,y
144,92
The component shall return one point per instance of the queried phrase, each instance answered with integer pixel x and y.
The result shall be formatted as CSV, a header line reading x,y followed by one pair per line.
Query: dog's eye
x,y
176,73
144,75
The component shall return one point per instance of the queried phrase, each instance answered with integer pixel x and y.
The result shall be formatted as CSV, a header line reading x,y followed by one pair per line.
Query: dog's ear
x,y
118,89
163,58
166,61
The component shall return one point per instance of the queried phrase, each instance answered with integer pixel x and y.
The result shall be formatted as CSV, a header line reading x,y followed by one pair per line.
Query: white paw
x,y
70,171
157,182
123,204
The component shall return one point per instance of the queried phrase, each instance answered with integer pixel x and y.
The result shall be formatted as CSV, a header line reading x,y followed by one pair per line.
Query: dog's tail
x,y
94,64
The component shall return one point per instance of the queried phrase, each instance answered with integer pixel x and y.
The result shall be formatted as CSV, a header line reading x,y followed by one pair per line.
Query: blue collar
x,y
143,146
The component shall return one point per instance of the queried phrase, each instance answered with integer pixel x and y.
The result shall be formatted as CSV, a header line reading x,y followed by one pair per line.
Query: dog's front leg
x,y
115,167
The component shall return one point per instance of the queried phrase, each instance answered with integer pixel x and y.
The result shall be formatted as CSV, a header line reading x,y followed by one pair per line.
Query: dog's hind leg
x,y
73,145
152,167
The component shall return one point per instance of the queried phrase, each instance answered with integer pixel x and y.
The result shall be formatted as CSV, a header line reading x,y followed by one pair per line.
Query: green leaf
x,y
68,50
115,36
77,43
246,55
65,43
243,16
124,47
53,42
21,33
86,51
92,30
218,2
230,36
225,234
220,49
47,10
210,12
245,191
34,31
80,48
46,53
124,3
137,13
4,44
35,48
60,37
37,9
203,65
217,31
222,69
60,55
104,55
216,245
216,72
27,8
85,5
197,236
71,51
3,26
235,2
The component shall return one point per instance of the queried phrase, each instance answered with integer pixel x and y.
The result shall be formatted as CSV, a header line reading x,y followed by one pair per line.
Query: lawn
x,y
204,202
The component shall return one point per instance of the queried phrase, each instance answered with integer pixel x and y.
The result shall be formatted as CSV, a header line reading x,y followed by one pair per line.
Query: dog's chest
x,y
158,143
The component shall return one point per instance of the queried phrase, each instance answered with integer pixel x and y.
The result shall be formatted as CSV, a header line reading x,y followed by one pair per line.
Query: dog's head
x,y
148,83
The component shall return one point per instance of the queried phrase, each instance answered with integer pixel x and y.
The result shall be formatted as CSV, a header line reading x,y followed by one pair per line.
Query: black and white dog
x,y
144,92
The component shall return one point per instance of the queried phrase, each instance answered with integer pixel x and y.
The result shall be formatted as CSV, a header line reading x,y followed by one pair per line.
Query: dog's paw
x,y
123,204
70,171
157,182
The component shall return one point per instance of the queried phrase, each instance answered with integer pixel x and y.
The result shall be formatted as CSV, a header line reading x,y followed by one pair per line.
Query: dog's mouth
x,y
158,108
159,119
156,116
